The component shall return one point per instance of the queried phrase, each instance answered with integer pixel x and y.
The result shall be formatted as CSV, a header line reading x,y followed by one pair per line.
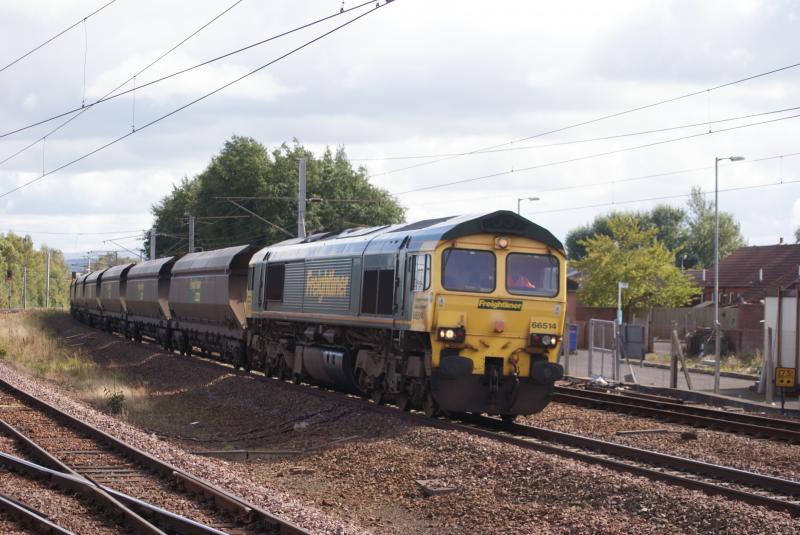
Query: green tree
x,y
340,196
17,255
669,223
636,256
576,237
700,240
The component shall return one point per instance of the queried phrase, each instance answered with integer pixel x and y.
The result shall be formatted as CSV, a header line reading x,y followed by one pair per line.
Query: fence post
x,y
591,348
565,347
603,354
617,351
673,363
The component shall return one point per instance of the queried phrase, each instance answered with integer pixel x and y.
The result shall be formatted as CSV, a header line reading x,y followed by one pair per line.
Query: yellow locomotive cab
x,y
498,310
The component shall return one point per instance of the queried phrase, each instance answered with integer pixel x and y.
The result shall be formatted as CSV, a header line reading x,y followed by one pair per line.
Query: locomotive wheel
x,y
508,418
430,407
403,402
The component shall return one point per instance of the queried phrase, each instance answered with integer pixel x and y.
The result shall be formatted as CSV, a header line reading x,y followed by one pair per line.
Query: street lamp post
x,y
520,199
620,286
717,330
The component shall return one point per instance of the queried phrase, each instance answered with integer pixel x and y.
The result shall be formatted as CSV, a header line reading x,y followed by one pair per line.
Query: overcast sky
x,y
417,77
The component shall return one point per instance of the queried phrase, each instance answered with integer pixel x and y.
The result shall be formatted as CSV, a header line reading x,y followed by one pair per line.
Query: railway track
x,y
757,489
742,485
741,423
29,517
76,456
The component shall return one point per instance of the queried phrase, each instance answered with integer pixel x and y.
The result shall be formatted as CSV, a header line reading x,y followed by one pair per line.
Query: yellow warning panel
x,y
785,377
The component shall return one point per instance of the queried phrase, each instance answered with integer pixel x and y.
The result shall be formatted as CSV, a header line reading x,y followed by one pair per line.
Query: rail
x,y
249,513
749,424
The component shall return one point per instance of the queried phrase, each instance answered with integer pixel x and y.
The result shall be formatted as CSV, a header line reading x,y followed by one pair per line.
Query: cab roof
x,y
365,239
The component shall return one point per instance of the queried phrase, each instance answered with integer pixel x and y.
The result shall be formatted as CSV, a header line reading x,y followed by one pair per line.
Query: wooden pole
x,y
686,374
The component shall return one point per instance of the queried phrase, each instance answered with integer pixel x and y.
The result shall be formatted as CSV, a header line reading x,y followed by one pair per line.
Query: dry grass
x,y
741,363
27,345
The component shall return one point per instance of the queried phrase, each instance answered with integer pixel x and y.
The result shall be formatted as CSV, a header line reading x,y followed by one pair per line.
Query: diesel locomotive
x,y
457,314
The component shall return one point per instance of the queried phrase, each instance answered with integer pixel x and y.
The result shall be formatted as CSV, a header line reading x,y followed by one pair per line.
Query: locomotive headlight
x,y
501,242
546,341
451,334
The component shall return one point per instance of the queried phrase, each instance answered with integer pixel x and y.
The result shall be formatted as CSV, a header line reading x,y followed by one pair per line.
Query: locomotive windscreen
x,y
468,270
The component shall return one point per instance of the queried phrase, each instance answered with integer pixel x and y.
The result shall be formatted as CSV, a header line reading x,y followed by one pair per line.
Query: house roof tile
x,y
779,265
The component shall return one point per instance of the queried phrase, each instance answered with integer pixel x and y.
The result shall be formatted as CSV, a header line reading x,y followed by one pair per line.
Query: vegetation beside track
x,y
27,343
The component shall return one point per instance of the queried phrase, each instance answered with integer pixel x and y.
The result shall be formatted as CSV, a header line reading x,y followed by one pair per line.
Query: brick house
x,y
747,274
745,278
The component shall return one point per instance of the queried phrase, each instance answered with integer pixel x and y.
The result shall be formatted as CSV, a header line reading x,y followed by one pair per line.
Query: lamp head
x,y
736,158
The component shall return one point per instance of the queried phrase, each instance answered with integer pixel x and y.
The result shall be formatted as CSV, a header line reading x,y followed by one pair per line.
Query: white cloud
x,y
415,78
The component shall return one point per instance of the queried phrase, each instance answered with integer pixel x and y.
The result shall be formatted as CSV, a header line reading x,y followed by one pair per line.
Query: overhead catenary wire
x,y
586,185
294,199
596,119
187,69
195,101
104,233
591,156
604,138
56,36
664,197
83,109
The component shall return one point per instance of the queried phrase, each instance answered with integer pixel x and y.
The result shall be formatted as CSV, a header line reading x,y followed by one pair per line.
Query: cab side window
x,y
421,269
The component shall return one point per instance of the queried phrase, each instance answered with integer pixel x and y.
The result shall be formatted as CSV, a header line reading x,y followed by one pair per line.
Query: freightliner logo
x,y
500,304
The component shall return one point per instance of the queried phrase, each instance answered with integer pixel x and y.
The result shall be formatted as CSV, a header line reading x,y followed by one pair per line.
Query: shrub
x,y
115,400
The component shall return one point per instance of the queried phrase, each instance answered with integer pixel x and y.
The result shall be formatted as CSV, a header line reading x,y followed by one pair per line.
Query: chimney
x,y
704,273
780,240
760,274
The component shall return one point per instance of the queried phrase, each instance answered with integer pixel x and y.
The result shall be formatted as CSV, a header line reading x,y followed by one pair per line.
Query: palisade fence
x,y
602,345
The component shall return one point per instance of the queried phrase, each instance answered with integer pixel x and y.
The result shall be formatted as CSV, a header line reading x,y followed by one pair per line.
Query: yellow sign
x,y
785,377
500,304
326,284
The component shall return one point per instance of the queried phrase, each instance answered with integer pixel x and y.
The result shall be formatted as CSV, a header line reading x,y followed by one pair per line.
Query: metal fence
x,y
603,358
